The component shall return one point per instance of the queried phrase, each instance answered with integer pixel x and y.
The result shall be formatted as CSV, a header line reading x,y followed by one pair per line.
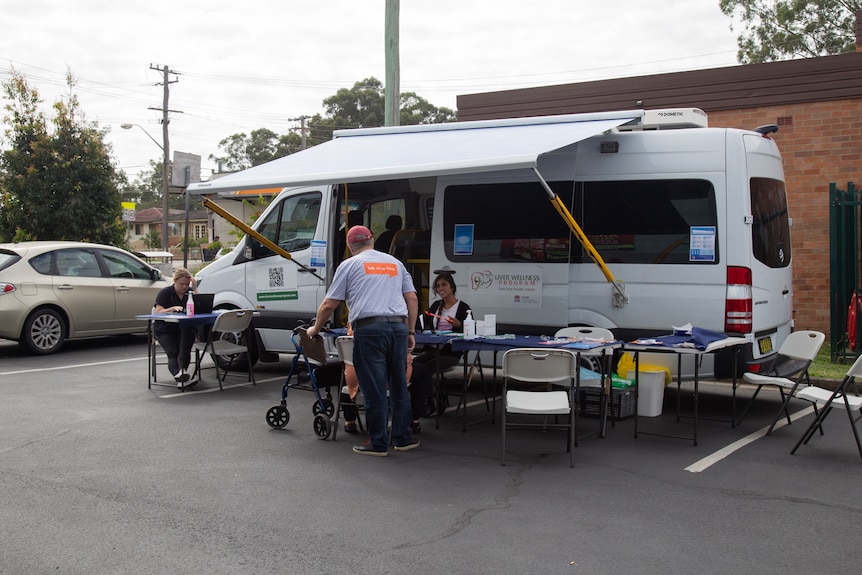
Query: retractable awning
x,y
422,150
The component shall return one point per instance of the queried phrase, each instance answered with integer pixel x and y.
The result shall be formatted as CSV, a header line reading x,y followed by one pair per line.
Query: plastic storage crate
x,y
622,402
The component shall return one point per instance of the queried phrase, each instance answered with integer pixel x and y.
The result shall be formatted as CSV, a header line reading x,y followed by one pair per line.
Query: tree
x,y
361,106
242,151
58,183
784,29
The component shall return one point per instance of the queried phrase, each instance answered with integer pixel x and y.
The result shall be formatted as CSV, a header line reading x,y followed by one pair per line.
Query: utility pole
x,y
165,70
392,90
302,129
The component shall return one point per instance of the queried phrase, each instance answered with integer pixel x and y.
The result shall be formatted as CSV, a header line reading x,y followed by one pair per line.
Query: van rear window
x,y
770,230
644,221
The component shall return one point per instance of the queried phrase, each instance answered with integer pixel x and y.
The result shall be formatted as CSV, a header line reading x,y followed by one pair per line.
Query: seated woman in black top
x,y
447,313
176,342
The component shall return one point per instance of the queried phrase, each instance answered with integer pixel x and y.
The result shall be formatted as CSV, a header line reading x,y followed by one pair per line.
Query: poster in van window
x,y
318,254
702,244
505,286
536,249
463,240
276,282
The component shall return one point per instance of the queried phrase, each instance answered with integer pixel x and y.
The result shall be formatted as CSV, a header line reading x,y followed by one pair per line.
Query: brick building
x,y
816,102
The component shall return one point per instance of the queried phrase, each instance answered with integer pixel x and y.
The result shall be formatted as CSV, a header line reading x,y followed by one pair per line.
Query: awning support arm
x,y
620,298
210,205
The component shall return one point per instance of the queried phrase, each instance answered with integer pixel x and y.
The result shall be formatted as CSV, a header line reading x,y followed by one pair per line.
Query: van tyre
x,y
240,361
44,332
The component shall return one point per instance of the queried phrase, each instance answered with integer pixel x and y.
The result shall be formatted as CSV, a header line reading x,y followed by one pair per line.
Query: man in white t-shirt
x,y
382,308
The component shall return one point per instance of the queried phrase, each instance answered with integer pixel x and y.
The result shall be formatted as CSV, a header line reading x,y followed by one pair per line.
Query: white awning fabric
x,y
423,150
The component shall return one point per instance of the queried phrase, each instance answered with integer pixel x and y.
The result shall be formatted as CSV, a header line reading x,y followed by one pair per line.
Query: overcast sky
x,y
262,63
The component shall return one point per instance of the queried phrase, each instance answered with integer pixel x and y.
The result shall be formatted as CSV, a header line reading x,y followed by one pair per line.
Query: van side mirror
x,y
155,274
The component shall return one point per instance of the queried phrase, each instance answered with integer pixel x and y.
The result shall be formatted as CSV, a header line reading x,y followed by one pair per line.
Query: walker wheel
x,y
328,407
277,416
322,426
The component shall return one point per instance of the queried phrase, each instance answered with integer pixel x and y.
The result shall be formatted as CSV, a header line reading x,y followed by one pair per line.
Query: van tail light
x,y
737,305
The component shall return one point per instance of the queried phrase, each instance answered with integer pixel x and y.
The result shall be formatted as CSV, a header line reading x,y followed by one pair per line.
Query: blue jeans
x,y
380,358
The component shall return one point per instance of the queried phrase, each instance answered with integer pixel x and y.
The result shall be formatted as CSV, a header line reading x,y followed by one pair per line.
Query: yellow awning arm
x,y
246,229
620,297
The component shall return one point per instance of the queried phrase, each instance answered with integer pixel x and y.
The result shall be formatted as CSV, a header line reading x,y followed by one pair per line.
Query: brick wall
x,y
820,143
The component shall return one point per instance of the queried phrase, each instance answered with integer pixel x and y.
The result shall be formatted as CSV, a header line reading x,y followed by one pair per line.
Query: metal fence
x,y
845,297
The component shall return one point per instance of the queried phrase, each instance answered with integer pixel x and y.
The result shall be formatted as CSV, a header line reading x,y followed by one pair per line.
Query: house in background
x,y
816,103
151,219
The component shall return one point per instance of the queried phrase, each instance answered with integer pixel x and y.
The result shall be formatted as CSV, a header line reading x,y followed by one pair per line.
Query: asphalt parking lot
x,y
101,475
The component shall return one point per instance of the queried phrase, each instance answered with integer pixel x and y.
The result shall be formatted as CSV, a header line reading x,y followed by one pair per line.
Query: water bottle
x,y
190,305
469,326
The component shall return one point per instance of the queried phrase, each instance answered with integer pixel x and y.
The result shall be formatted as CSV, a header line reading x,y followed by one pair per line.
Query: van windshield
x,y
293,224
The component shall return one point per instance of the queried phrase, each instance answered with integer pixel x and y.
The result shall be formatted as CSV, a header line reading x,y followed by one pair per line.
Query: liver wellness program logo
x,y
481,280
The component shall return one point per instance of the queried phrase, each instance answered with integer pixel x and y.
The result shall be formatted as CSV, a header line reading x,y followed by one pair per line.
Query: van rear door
x,y
772,295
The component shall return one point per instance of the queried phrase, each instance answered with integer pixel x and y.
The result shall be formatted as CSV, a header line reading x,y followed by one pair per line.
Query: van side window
x,y
293,223
645,221
513,222
770,230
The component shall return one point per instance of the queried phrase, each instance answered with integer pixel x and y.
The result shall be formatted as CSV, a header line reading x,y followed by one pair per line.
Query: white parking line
x,y
212,389
714,458
61,367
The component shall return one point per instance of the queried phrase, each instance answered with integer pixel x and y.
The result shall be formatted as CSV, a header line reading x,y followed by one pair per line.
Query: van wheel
x,y
44,332
240,361
592,363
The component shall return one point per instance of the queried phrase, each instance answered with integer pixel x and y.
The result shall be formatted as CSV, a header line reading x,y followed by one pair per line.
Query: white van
x,y
691,223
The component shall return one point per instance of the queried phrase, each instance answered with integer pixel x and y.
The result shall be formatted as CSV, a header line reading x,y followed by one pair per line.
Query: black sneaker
x,y
350,428
415,427
367,449
412,444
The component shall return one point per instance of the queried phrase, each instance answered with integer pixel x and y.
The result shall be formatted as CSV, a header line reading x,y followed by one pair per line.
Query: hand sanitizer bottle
x,y
469,326
190,305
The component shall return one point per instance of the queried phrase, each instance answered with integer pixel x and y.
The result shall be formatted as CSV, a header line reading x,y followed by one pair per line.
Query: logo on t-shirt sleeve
x,y
372,268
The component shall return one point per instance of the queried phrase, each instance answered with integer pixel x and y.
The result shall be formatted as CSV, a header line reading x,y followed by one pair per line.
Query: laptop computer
x,y
204,302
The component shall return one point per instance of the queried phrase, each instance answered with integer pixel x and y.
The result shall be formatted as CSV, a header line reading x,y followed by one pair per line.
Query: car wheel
x,y
44,332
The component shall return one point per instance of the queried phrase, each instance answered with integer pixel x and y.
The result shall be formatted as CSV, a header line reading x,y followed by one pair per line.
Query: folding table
x,y
659,345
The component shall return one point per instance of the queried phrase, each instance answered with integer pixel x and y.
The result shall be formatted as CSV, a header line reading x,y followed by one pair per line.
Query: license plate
x,y
765,345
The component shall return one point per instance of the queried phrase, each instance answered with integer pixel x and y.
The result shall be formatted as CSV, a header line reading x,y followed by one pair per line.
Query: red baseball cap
x,y
358,234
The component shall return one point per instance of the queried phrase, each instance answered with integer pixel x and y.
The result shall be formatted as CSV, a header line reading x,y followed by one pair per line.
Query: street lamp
x,y
165,179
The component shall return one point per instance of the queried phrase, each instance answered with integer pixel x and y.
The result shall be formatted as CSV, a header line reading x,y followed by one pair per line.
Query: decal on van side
x,y
277,283
506,286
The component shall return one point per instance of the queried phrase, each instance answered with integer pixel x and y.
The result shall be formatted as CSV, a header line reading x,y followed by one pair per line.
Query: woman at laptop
x,y
177,342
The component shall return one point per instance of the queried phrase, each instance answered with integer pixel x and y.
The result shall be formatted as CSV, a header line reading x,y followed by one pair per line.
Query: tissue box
x,y
490,324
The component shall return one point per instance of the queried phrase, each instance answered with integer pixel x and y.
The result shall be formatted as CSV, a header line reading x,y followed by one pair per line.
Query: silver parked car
x,y
54,291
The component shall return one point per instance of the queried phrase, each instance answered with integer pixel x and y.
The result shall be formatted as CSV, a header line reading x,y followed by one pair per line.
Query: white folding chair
x,y
344,346
599,362
593,362
223,341
788,371
542,370
827,400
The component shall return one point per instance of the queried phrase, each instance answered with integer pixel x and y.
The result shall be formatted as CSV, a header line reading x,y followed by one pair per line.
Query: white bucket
x,y
650,392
